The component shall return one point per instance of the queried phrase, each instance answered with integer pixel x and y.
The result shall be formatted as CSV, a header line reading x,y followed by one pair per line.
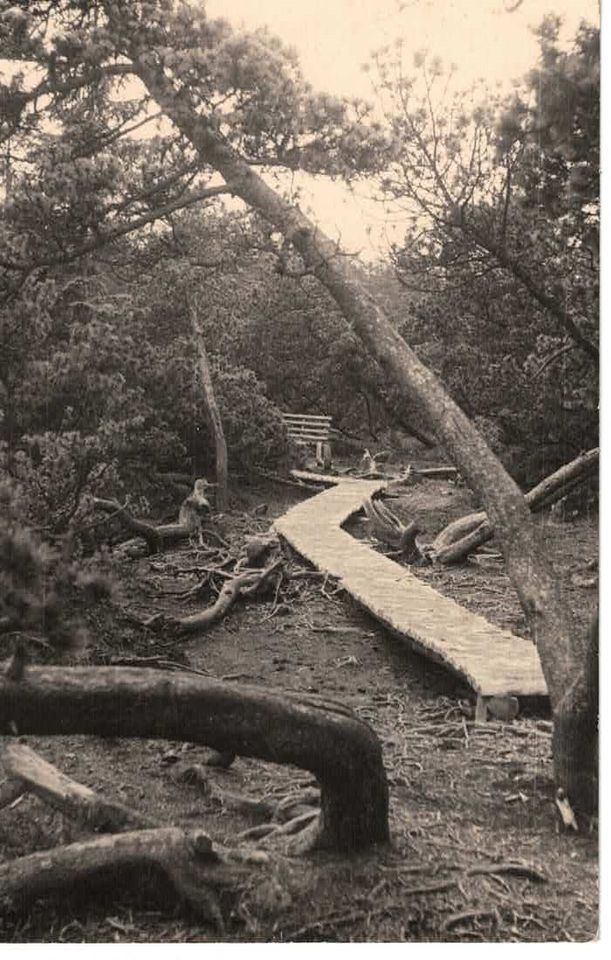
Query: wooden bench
x,y
311,429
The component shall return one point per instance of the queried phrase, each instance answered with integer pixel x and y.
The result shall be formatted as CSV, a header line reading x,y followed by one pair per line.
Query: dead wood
x,y
196,872
387,527
313,481
258,547
319,735
464,535
286,482
212,407
513,868
192,510
437,473
245,584
76,801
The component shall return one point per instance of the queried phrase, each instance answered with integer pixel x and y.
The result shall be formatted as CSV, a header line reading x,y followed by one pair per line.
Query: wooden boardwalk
x,y
495,662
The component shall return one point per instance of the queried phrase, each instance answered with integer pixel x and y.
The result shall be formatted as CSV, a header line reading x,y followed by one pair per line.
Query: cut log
x,y
76,801
464,535
319,735
184,857
192,509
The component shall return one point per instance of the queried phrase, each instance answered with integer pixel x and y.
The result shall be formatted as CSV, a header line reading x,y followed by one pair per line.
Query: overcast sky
x,y
334,38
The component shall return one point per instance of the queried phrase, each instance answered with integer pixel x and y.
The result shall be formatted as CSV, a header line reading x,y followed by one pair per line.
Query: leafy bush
x,y
40,585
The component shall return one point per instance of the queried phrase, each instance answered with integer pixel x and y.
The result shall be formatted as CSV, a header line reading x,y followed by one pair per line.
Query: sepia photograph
x,y
299,472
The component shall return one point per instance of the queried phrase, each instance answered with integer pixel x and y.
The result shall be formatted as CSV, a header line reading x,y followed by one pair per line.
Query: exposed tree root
x,y
35,775
281,818
387,527
319,735
192,510
198,775
199,875
245,584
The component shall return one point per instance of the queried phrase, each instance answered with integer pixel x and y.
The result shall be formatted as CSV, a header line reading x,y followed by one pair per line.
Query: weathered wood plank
x,y
495,662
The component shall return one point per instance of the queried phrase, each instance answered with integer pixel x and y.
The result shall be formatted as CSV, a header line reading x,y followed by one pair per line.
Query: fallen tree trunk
x,y
464,535
184,857
192,509
321,736
76,801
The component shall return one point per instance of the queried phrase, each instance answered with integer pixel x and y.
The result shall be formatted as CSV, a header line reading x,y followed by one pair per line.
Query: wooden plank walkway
x,y
495,662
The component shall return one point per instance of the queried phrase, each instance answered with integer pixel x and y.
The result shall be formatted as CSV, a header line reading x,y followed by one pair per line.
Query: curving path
x,y
495,662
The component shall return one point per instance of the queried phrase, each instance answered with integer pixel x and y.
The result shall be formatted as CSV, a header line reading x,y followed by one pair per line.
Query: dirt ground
x,y
467,804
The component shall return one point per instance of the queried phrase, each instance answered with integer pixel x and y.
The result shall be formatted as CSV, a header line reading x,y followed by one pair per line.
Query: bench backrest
x,y
307,428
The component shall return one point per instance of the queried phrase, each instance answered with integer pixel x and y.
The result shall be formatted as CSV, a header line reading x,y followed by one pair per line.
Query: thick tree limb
x,y
316,734
553,303
464,535
76,801
184,857
437,473
104,237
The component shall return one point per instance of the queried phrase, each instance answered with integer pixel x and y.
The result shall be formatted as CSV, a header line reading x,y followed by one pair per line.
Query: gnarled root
x,y
319,735
387,527
192,510
245,584
199,875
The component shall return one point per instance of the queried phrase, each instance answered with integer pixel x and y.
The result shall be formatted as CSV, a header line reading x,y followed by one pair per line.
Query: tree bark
x,y
575,740
464,535
562,650
220,445
185,857
76,801
319,735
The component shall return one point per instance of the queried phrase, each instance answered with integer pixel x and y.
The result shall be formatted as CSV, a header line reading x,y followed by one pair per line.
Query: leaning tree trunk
x,y
313,733
562,650
220,445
